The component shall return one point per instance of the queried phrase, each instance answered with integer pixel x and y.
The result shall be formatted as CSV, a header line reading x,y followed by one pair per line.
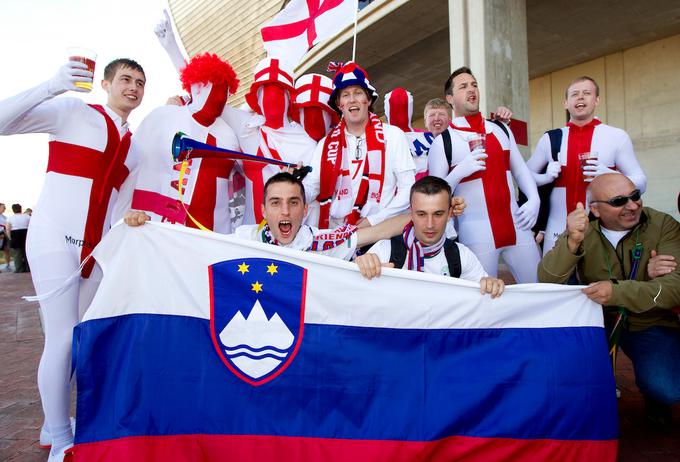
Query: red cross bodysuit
x,y
488,225
205,187
612,147
87,163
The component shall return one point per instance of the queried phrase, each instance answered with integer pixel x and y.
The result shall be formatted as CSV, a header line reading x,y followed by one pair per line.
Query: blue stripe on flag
x,y
147,374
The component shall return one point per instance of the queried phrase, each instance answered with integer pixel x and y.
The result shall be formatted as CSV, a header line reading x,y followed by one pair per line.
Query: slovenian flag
x,y
202,347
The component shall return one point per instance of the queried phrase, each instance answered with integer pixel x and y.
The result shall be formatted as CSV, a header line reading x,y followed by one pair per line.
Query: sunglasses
x,y
620,201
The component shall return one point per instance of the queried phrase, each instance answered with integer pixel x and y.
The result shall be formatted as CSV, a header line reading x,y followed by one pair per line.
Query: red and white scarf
x,y
335,186
307,240
417,251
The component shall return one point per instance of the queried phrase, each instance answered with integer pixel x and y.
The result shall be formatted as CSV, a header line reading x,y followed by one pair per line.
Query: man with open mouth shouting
x,y
284,208
480,162
362,170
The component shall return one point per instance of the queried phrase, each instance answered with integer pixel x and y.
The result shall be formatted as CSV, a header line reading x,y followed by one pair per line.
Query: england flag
x,y
304,23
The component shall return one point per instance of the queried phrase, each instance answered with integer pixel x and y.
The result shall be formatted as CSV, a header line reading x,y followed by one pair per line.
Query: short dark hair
x,y
16,208
113,66
430,186
449,83
583,78
284,177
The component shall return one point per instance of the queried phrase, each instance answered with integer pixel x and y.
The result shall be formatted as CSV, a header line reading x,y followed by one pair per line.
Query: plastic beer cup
x,y
85,56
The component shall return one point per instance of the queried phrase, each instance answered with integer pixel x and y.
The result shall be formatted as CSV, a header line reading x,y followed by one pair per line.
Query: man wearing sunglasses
x,y
611,254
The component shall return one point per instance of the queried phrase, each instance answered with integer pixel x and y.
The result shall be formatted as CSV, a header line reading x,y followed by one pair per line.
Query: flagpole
x,y
354,47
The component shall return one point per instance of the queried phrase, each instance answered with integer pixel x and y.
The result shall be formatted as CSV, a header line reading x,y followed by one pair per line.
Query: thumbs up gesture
x,y
577,223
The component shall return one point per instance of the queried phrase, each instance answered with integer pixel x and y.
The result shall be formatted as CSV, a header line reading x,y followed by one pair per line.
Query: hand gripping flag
x,y
202,347
304,23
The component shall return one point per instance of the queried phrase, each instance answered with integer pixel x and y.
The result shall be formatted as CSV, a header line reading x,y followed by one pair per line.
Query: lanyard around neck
x,y
635,260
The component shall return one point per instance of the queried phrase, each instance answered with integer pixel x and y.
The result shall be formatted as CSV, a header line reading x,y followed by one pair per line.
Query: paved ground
x,y
20,347
21,414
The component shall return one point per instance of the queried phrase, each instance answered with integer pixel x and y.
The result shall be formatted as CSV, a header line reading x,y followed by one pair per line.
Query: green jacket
x,y
649,302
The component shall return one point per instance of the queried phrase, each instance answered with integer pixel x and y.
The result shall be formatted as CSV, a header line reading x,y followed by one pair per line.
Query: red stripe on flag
x,y
185,448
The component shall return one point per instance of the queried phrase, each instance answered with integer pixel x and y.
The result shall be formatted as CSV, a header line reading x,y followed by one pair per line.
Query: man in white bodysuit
x,y
588,149
86,166
481,165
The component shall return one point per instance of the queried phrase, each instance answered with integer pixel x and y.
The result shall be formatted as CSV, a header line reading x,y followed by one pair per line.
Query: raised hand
x,y
66,77
503,114
577,223
166,37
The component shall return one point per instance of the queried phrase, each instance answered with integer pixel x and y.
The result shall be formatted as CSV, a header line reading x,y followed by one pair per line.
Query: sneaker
x,y
57,455
45,441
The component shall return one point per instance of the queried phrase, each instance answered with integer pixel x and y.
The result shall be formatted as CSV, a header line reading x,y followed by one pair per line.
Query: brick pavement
x,y
21,415
20,347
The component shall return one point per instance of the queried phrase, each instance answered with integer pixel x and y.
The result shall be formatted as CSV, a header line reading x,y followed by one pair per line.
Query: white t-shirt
x,y
471,268
310,239
613,236
18,221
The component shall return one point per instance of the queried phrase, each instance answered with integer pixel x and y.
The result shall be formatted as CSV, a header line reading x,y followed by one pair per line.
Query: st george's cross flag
x,y
202,347
304,23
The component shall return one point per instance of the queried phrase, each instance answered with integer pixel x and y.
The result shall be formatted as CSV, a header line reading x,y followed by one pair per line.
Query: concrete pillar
x,y
490,37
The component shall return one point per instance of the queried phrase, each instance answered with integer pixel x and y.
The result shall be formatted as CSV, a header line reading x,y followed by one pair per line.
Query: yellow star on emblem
x,y
272,269
256,287
243,268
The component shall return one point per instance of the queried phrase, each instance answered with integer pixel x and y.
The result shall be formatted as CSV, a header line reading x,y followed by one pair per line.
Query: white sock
x,y
62,437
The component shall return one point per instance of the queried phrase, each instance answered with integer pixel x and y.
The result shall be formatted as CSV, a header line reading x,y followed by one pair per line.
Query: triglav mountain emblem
x,y
256,345
257,313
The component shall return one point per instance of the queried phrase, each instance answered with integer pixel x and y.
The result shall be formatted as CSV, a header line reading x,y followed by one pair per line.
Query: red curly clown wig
x,y
208,68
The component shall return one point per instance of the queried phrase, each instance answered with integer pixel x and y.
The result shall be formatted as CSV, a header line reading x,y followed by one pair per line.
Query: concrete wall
x,y
491,38
640,92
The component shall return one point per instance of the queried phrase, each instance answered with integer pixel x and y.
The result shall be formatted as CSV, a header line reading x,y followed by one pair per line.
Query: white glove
x,y
553,169
528,214
166,37
595,168
66,77
163,31
472,163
